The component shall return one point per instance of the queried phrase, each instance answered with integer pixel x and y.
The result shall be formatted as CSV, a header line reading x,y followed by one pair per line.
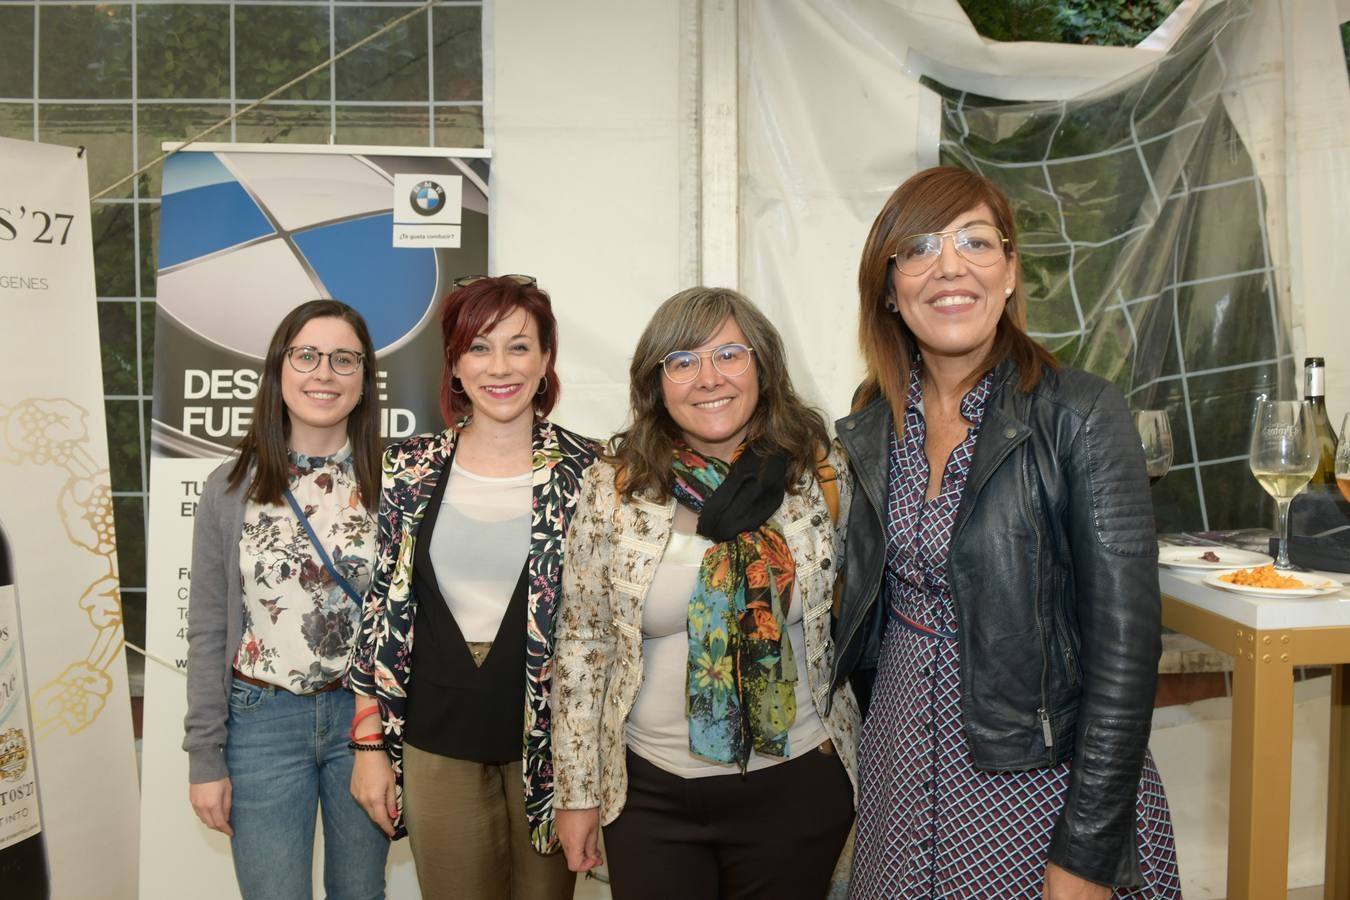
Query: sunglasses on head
x,y
466,280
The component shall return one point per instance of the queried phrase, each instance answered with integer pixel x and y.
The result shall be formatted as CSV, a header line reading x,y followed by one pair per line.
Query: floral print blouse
x,y
298,622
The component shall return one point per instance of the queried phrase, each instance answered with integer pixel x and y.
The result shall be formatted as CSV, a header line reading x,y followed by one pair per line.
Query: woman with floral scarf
x,y
693,718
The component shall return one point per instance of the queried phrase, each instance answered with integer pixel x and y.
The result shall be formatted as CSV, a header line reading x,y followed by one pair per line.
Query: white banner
x,y
246,234
56,503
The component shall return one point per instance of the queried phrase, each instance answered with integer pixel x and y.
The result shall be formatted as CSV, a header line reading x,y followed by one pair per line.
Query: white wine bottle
x,y
23,847
1314,391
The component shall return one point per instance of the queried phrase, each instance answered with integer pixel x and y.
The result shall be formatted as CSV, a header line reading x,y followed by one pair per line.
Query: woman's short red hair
x,y
476,308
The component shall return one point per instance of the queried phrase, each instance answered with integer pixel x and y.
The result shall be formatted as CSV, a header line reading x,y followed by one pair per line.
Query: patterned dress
x,y
929,823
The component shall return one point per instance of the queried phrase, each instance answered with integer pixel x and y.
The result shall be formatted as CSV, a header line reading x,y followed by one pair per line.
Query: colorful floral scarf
x,y
742,675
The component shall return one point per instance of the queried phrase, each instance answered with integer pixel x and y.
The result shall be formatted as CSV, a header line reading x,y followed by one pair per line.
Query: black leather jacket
x,y
1053,573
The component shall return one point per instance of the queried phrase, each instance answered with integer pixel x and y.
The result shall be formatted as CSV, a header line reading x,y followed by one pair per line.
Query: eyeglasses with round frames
x,y
683,366
466,280
306,359
980,245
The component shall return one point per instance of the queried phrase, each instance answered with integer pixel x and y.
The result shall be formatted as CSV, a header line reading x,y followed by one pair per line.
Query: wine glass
x,y
1155,434
1283,457
1343,460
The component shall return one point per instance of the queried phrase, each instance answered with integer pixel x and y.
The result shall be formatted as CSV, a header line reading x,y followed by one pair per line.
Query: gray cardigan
x,y
215,623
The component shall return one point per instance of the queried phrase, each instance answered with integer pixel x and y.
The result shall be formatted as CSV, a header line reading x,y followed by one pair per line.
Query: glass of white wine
x,y
1343,460
1283,457
1155,434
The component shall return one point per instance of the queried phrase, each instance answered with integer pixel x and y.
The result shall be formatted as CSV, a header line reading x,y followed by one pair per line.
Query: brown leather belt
x,y
257,682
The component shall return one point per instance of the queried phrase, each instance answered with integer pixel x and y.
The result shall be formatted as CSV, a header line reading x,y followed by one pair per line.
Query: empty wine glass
x,y
1283,457
1155,434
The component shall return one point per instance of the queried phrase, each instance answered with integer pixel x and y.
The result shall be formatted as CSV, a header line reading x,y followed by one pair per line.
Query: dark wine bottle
x,y
1314,391
23,847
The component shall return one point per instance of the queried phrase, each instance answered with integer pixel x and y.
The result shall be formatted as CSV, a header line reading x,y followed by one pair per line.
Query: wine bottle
x,y
23,847
1314,390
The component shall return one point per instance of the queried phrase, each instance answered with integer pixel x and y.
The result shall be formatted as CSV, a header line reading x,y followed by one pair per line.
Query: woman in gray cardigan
x,y
281,555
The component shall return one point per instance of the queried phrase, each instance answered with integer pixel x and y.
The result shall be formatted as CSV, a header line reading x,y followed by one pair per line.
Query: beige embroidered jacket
x,y
611,556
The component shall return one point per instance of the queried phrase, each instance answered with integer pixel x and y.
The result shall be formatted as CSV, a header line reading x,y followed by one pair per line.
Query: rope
x,y
388,26
166,663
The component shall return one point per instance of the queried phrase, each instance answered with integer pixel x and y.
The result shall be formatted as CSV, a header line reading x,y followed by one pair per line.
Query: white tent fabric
x,y
588,133
834,116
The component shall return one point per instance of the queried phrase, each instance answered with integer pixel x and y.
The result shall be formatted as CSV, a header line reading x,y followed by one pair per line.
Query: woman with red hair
x,y
471,527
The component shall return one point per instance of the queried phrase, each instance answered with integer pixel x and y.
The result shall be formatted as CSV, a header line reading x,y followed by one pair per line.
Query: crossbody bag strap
x,y
323,554
828,479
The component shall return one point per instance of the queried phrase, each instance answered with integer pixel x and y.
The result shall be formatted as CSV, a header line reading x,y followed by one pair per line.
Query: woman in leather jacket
x,y
1000,614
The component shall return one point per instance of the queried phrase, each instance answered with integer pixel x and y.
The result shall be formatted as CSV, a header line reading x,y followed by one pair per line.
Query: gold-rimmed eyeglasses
x,y
980,245
683,366
306,359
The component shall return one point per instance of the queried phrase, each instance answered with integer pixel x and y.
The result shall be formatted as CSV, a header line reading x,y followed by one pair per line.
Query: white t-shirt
x,y
479,543
657,729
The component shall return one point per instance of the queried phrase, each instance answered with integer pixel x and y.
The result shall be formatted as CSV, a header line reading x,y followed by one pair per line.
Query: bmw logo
x,y
427,198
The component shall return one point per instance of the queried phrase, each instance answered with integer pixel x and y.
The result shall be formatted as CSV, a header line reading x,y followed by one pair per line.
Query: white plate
x,y
1316,586
1229,558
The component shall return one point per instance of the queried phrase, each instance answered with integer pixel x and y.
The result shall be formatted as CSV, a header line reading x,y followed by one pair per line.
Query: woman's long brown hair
x,y
926,202
263,449
781,422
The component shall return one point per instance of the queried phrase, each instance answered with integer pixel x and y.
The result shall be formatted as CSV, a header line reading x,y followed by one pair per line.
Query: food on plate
x,y
1209,556
1261,577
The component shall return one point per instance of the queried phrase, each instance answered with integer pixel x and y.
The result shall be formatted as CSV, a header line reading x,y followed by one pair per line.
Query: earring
x,y
1007,292
457,390
891,307
543,387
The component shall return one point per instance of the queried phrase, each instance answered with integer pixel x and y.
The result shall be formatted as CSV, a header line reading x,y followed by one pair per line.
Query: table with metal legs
x,y
1267,638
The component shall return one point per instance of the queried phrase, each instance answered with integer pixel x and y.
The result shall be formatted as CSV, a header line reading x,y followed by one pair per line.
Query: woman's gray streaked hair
x,y
781,421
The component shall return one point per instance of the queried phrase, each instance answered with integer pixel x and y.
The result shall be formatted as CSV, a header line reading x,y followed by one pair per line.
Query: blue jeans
x,y
288,757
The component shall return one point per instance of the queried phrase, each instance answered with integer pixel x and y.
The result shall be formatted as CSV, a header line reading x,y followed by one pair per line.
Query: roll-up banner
x,y
248,232
56,506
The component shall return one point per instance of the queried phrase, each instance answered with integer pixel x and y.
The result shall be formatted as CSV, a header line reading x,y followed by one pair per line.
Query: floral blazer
x,y
382,660
612,554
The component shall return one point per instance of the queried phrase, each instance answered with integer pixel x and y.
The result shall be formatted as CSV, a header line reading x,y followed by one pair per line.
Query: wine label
x,y
20,816
1314,382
